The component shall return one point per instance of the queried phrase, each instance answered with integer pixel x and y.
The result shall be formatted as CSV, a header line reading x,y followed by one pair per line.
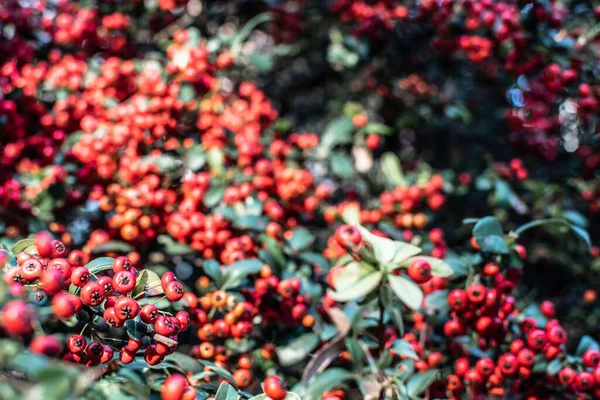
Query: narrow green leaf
x,y
419,383
226,392
22,245
100,264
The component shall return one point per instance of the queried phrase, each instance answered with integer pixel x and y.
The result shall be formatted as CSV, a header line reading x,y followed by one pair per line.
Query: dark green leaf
x,y
419,383
487,226
492,244
212,268
403,348
136,329
187,92
339,131
586,343
315,259
234,274
213,195
100,264
553,367
375,127
579,231
301,238
253,222
223,373
341,165
328,380
113,246
438,301
274,248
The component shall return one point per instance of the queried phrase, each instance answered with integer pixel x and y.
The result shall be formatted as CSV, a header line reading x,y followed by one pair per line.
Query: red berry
x,y
149,313
124,282
76,343
126,308
274,388
419,271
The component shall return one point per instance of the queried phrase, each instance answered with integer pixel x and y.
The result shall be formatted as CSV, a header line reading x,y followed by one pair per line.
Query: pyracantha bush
x,y
299,199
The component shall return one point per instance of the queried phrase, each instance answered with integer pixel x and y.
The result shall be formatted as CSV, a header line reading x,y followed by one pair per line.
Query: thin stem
x,y
381,340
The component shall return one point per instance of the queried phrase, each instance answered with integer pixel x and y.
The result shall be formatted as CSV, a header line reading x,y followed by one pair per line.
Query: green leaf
x,y
354,281
553,367
113,246
586,343
148,282
288,396
388,252
339,131
253,222
492,244
223,373
579,231
136,329
216,160
100,264
187,92
234,274
438,267
487,226
392,169
226,392
328,380
419,383
213,195
378,128
297,349
196,158
407,291
22,245
351,215
315,259
438,301
174,248
212,268
342,165
301,239
274,248
403,348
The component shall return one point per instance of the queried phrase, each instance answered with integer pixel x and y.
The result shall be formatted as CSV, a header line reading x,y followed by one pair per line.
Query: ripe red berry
x,y
148,313
557,335
121,263
591,358
126,308
80,276
76,343
547,309
32,269
164,326
17,318
485,367
537,339
174,291
274,388
92,294
419,271
457,299
106,283
566,376
65,305
126,356
173,387
584,381
476,293
124,282
348,236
